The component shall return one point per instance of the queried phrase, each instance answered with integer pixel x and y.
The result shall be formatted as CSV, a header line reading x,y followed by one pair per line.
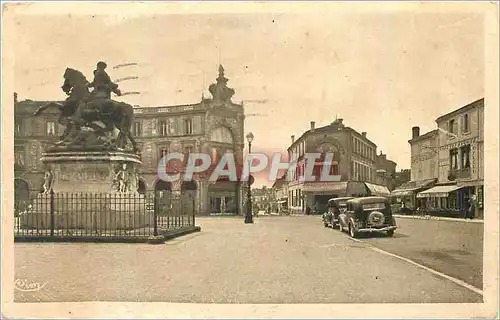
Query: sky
x,y
381,72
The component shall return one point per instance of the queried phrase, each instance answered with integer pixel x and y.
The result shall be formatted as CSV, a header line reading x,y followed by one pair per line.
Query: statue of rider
x,y
103,86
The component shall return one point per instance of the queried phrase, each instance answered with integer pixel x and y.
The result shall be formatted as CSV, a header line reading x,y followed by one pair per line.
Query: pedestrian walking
x,y
470,209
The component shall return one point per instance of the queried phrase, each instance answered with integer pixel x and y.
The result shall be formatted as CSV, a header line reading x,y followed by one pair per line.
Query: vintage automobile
x,y
334,208
367,214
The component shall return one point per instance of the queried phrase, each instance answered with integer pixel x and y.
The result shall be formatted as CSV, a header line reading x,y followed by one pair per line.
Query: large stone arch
x,y
222,133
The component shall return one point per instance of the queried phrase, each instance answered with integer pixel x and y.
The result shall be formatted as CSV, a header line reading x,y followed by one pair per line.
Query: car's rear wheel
x,y
390,233
352,232
326,224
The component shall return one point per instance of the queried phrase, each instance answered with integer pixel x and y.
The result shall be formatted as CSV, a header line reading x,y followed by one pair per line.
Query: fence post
x,y
52,212
155,208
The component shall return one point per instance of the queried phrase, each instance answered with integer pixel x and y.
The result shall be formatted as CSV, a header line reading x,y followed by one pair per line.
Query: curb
x,y
113,239
427,217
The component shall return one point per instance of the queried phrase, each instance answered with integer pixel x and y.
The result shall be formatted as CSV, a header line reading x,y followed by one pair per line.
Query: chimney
x,y
293,139
15,97
363,134
415,132
312,125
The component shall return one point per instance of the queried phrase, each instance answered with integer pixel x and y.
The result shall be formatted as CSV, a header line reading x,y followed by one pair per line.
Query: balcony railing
x,y
463,173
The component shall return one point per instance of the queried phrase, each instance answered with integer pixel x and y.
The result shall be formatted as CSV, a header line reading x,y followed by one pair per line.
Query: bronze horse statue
x,y
111,113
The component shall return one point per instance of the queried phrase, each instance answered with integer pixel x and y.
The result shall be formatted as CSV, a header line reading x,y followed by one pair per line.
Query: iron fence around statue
x,y
102,215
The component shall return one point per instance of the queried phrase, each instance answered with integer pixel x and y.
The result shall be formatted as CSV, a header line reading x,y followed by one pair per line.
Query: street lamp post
x,y
248,215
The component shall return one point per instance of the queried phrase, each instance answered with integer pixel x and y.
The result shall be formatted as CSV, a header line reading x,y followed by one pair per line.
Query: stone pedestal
x,y
85,194
80,171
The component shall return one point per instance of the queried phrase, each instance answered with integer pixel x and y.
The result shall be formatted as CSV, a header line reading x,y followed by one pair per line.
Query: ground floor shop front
x,y
312,197
456,200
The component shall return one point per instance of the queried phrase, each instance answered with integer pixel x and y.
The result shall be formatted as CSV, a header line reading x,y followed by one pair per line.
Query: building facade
x,y
447,164
461,153
424,154
354,160
386,171
214,126
280,188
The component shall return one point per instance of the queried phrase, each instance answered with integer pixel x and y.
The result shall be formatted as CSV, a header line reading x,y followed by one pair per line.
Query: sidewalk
x,y
428,217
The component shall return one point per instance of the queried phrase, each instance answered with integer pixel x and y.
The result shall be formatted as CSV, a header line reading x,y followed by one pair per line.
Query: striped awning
x,y
377,190
438,191
333,187
403,192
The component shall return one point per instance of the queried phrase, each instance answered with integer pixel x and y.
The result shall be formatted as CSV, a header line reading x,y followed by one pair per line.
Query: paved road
x,y
454,248
275,260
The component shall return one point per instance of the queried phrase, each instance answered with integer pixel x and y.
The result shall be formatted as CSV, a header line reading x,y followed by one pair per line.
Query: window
x,y
374,206
215,156
163,152
19,156
172,126
163,128
465,157
451,126
137,130
51,128
465,127
454,159
188,126
17,127
188,150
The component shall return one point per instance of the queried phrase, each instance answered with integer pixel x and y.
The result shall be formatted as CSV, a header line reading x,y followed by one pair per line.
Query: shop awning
x,y
378,190
331,187
438,191
356,188
411,187
403,192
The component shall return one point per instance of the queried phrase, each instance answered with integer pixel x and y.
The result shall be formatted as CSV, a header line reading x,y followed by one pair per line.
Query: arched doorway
x,y
163,188
223,197
142,187
21,195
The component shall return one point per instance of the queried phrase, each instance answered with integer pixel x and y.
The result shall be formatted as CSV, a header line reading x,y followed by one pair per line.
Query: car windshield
x,y
374,206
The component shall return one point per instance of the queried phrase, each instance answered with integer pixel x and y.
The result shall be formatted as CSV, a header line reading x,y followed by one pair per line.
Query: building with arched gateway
x,y
214,126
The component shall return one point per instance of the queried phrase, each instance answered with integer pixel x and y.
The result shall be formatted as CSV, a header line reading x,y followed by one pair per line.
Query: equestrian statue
x,y
90,115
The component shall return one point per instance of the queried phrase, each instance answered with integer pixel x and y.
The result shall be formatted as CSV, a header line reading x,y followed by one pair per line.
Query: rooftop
x,y
336,125
427,135
477,103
